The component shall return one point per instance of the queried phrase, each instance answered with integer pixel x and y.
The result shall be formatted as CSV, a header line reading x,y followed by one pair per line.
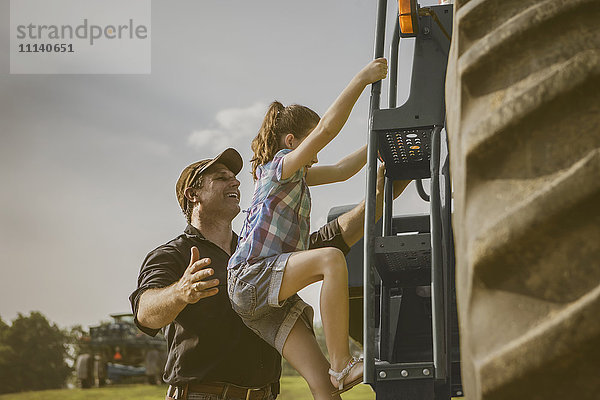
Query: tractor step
x,y
404,260
386,371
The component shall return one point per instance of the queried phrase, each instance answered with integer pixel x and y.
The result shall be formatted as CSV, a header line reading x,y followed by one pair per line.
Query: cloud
x,y
233,127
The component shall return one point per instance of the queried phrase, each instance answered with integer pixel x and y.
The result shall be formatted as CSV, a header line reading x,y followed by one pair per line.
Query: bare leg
x,y
327,264
303,353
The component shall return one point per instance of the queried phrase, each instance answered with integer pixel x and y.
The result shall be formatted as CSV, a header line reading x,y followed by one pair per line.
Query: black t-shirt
x,y
208,342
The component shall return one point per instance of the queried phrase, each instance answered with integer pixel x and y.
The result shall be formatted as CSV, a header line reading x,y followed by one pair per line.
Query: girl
x,y
272,263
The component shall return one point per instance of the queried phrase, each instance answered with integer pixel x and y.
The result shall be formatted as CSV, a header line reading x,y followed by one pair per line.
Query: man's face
x,y
220,191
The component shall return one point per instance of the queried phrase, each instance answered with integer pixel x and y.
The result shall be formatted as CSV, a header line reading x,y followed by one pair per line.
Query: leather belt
x,y
225,390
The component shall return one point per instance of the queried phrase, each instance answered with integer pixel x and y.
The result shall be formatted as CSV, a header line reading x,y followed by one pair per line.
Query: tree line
x,y
34,354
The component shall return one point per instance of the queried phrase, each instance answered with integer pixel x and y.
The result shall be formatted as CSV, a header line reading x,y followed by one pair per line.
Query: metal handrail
x,y
369,278
393,74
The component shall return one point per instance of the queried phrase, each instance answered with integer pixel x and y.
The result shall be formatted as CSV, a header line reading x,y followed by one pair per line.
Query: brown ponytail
x,y
280,121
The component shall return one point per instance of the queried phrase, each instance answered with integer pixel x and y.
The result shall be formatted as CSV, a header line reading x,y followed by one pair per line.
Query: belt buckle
x,y
249,392
176,392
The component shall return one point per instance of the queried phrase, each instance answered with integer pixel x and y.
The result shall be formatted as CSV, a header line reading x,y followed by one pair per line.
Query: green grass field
x,y
292,388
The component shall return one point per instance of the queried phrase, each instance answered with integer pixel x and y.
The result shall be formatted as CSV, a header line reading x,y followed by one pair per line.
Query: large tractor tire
x,y
84,369
100,371
523,102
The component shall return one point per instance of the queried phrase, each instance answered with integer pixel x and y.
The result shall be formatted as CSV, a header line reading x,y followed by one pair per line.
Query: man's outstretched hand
x,y
192,286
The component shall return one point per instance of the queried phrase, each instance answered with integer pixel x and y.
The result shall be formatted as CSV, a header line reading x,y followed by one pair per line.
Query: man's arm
x,y
348,228
159,307
352,223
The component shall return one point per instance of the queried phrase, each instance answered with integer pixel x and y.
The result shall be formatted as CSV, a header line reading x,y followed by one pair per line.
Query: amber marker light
x,y
408,17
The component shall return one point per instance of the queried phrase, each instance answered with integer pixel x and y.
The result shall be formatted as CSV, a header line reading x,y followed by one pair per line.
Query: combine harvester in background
x,y
118,350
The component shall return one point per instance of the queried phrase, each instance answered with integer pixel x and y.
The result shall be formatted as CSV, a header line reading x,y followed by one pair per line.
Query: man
x,y
182,288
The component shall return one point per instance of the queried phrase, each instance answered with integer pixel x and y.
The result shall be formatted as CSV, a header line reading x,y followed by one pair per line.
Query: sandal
x,y
339,376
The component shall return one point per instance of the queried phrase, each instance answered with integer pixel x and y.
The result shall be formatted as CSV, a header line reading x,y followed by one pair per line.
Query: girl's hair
x,y
280,121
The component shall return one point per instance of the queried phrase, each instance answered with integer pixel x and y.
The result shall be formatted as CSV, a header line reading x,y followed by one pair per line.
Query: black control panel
x,y
406,152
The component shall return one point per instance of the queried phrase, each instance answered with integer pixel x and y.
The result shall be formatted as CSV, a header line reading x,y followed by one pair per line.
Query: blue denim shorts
x,y
254,294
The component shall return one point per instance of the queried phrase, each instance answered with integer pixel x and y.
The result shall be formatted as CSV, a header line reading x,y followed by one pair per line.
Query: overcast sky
x,y
89,162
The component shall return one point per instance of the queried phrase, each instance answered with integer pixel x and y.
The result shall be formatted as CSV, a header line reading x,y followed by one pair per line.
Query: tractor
x,y
118,350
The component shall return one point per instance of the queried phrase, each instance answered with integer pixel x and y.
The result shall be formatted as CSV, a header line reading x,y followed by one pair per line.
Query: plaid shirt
x,y
278,220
